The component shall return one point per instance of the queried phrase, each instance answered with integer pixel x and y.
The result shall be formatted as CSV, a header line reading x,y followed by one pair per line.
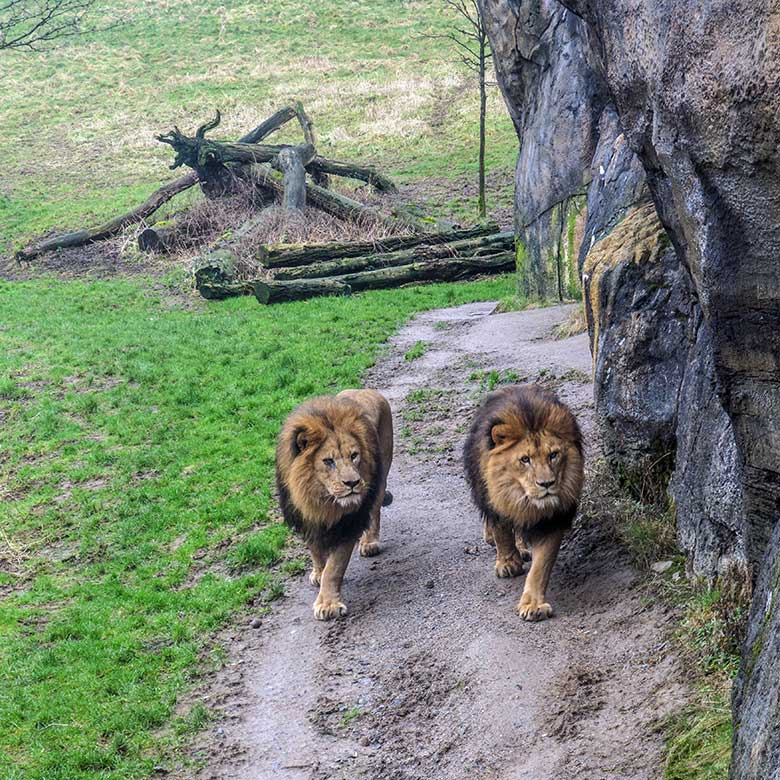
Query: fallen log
x,y
157,238
215,276
484,245
158,198
306,254
203,154
273,290
113,226
270,125
334,203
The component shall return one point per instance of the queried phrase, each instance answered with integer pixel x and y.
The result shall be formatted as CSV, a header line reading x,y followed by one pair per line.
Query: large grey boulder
x,y
697,89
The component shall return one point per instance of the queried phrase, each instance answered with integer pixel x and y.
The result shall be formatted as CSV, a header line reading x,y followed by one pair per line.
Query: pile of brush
x,y
294,181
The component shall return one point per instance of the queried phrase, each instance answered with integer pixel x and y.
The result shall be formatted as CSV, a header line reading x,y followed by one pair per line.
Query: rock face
x,y
686,334
757,694
540,51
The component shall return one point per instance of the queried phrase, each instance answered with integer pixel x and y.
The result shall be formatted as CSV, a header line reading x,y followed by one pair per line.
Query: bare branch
x,y
33,24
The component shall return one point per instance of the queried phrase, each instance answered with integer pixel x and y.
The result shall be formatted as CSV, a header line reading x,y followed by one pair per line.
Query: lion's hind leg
x,y
508,560
318,559
369,541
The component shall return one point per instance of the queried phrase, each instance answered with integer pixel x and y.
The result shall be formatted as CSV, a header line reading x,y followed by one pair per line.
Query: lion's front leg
x,y
369,541
329,604
508,560
532,605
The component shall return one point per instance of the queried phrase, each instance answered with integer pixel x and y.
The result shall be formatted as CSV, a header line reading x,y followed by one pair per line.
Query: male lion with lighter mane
x,y
332,460
523,460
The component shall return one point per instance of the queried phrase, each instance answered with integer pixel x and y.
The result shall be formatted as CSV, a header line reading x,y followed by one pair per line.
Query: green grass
x,y
417,351
135,480
78,123
699,747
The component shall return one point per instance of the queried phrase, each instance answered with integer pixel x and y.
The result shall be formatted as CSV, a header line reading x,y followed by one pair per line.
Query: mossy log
x,y
483,245
271,291
215,276
288,255
157,238
443,270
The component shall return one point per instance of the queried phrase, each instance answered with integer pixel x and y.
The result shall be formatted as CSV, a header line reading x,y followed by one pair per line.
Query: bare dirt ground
x,y
432,675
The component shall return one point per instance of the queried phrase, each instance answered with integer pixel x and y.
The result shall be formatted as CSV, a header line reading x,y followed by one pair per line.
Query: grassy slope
x,y
136,478
77,126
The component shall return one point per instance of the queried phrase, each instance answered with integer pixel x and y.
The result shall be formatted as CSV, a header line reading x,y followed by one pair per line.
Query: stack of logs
x,y
298,271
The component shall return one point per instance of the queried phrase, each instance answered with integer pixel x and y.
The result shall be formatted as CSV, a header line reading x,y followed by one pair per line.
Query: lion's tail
x,y
388,499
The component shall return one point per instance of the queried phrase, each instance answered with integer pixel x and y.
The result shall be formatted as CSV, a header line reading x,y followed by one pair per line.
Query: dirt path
x,y
432,675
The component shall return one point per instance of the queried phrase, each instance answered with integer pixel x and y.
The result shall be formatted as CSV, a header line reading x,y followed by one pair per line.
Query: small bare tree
x,y
34,24
472,47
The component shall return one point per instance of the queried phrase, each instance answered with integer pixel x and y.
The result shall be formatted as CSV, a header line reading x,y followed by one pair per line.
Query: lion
x,y
524,463
332,459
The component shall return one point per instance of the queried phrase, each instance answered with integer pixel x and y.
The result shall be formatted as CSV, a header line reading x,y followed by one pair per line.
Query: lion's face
x,y
326,457
336,463
528,469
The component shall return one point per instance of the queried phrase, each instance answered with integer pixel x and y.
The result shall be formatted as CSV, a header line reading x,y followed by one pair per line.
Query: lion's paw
x,y
327,610
369,549
509,567
314,577
533,611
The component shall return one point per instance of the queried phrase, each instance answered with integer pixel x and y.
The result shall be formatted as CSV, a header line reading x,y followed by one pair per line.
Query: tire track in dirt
x,y
432,675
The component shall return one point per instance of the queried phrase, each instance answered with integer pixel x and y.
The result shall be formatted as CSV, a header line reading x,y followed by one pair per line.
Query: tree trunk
x,y
270,125
347,170
157,238
486,245
273,291
306,254
215,275
289,163
203,154
482,116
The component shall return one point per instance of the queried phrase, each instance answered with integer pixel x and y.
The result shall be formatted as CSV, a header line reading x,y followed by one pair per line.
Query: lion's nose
x,y
547,484
351,483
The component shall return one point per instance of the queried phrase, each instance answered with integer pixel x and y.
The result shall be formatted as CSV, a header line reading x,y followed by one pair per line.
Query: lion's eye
x,y
329,462
354,456
525,459
554,455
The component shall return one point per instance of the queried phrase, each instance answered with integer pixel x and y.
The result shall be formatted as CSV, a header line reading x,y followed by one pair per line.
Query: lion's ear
x,y
500,434
304,437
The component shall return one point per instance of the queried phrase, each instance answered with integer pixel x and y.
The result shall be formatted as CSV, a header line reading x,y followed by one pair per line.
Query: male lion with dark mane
x,y
524,463
332,459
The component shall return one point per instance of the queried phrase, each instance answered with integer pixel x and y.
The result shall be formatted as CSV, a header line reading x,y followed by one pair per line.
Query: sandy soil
x,y
432,675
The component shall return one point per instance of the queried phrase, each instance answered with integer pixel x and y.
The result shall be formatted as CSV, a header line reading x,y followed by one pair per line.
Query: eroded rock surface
x,y
696,93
